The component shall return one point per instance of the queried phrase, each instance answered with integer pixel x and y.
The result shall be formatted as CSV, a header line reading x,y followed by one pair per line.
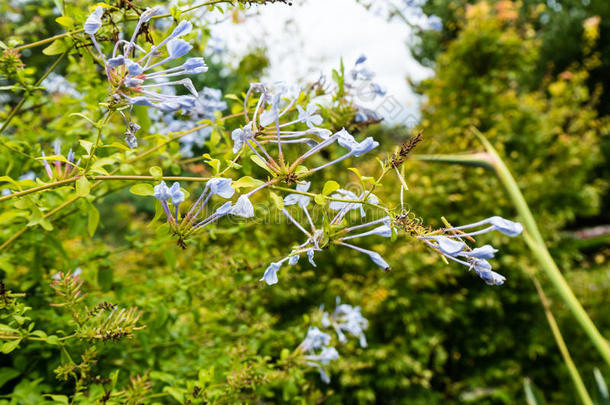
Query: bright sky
x,y
309,38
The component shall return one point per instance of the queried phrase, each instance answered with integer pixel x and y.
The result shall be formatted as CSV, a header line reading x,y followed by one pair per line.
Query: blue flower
x,y
134,68
375,257
483,252
176,194
94,21
240,137
270,276
483,270
161,192
183,28
221,186
448,246
315,340
300,199
243,207
327,355
148,14
347,318
310,254
496,223
194,66
383,230
177,48
116,62
309,116
505,226
294,259
378,260
224,209
344,207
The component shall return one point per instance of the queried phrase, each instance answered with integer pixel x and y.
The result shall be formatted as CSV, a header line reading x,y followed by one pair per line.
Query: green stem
x,y
98,138
78,31
102,178
563,348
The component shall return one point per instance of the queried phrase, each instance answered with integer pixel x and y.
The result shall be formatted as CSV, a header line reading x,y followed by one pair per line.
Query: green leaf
x,y
156,172
177,395
102,162
214,163
232,97
84,117
83,187
46,225
215,138
247,182
53,340
277,200
260,162
9,346
65,21
300,170
143,189
86,145
39,333
356,171
7,330
36,218
117,145
61,399
7,374
58,46
330,187
93,219
8,180
367,179
55,157
8,216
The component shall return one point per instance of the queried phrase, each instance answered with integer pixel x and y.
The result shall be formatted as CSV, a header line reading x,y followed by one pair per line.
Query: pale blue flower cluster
x,y
318,352
279,99
451,245
209,102
57,84
346,318
135,79
364,88
218,186
315,235
317,344
165,194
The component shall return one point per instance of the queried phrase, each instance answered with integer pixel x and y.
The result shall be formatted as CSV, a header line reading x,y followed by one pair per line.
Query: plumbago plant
x,y
271,154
